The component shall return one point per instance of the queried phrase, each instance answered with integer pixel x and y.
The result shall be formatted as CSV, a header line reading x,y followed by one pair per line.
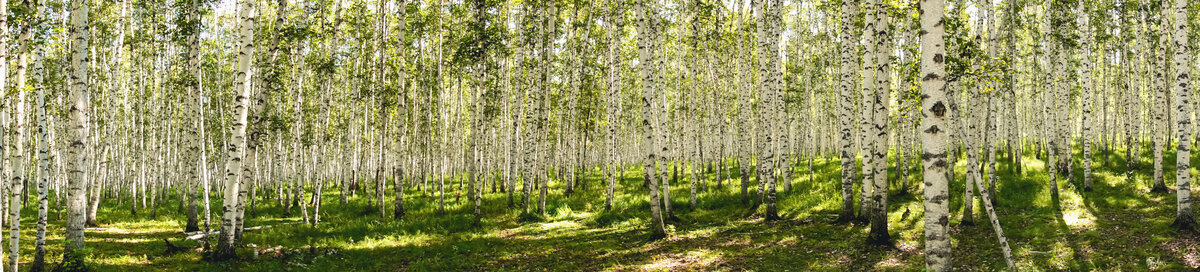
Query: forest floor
x,y
1118,226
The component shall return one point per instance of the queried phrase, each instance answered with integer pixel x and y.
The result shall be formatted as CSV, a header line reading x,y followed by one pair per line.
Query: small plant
x,y
73,260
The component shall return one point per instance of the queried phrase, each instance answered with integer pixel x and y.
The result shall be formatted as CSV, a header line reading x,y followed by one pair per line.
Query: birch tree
x,y
1160,90
846,104
44,171
933,136
17,184
237,144
1184,218
1086,96
647,28
770,107
77,136
193,109
878,217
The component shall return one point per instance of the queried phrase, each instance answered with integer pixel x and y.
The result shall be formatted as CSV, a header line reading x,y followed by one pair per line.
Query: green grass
x,y
1118,226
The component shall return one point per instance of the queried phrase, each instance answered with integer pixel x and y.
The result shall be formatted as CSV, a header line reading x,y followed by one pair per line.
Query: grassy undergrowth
x,y
1118,226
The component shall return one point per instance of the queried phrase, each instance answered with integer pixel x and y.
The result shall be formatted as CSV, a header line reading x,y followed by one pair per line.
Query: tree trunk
x,y
878,217
647,19
194,108
1086,96
933,136
846,105
17,159
237,144
867,108
77,136
769,99
44,171
614,21
744,111
1184,219
1160,90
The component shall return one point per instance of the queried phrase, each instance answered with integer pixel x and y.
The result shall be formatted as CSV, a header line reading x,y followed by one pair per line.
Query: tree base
x,y
655,236
966,222
220,253
1184,223
1160,189
1087,188
844,218
880,239
39,263
215,255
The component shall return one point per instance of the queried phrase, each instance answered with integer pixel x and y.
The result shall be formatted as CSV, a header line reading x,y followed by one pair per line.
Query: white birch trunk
x,y
846,107
1184,218
237,145
647,18
933,137
78,124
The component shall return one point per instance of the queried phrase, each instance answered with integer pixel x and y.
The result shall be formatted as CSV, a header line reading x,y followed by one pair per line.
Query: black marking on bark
x,y
933,129
939,110
940,164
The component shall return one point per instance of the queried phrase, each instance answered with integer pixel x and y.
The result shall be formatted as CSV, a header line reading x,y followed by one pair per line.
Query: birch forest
x,y
603,135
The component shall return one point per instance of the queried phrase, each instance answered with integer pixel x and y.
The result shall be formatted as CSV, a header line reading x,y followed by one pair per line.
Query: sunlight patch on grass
x,y
890,261
564,212
787,241
1061,255
690,260
559,225
1075,217
126,240
701,232
141,227
412,239
1079,219
123,260
1108,177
